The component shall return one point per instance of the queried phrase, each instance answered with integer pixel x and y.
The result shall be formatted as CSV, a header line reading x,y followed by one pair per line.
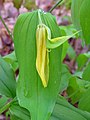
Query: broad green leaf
x,y
64,111
85,20
84,103
30,91
86,72
19,112
11,59
81,17
75,12
7,79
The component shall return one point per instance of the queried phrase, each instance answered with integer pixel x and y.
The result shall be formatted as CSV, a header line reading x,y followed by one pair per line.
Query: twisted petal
x,y
42,60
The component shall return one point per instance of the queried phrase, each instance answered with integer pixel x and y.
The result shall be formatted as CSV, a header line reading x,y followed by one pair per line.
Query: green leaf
x,y
77,88
11,59
30,91
7,80
85,20
64,111
68,30
86,72
75,12
78,74
84,103
81,17
65,78
81,61
13,117
19,112
58,41
3,101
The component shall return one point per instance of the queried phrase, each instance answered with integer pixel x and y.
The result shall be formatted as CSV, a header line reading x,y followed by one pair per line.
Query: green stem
x,y
6,28
39,16
55,6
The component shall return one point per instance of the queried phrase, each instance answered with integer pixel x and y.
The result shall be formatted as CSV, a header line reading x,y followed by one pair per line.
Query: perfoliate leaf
x,y
30,91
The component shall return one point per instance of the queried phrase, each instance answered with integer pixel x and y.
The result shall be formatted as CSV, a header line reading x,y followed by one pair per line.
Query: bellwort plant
x,y
38,52
38,48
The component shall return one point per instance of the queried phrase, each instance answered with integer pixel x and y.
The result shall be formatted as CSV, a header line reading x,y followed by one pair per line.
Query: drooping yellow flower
x,y
42,59
43,43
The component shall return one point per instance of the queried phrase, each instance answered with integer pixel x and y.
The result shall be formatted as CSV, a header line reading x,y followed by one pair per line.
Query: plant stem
x,y
40,20
55,6
6,27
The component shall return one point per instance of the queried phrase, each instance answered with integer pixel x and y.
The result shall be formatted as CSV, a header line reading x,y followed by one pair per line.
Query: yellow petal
x,y
42,59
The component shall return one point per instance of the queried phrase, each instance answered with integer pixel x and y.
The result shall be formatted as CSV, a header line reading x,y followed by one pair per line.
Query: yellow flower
x,y
42,59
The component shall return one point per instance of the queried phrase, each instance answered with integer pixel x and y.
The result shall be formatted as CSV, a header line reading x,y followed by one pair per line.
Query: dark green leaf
x,y
19,112
7,80
85,20
64,111
84,103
